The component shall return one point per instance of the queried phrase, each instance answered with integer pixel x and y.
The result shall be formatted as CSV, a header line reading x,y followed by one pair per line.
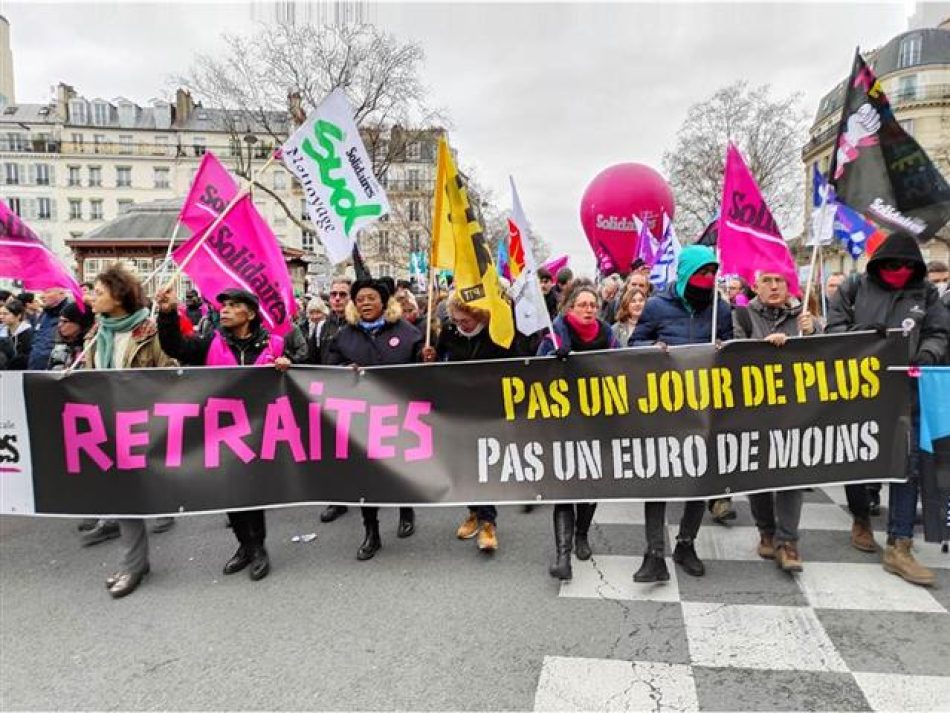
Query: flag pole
x,y
431,298
217,221
168,257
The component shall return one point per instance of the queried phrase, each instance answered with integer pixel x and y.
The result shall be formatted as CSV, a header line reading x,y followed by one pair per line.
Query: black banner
x,y
695,422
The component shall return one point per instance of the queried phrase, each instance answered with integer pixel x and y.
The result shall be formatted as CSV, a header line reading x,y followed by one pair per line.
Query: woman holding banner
x,y
683,314
124,337
376,335
240,340
578,329
465,338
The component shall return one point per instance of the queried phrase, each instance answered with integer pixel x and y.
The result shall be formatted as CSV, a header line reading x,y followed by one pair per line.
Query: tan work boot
x,y
899,560
487,538
468,529
787,557
766,546
862,536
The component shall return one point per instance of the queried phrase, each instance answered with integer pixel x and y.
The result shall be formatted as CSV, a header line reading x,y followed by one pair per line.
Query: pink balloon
x,y
612,199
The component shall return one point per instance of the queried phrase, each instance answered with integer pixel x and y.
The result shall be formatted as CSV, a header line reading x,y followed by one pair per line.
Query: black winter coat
x,y
396,342
455,346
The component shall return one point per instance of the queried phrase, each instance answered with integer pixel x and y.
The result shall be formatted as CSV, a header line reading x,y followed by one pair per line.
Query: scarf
x,y
586,332
896,279
373,326
108,327
474,333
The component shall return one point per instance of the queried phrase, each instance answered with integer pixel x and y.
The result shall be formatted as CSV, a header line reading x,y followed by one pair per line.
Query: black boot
x,y
563,540
653,568
260,563
239,560
407,522
585,513
685,556
332,512
371,543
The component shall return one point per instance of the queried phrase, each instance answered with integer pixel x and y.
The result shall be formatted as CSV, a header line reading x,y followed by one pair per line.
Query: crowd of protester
x,y
372,322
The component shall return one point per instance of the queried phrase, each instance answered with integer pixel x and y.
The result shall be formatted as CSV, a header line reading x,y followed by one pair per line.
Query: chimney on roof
x,y
184,105
64,92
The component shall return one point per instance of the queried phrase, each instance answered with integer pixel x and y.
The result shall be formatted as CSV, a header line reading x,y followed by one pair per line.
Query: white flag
x,y
327,156
663,272
531,312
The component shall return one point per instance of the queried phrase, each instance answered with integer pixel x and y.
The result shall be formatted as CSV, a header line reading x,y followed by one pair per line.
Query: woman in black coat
x,y
465,338
19,337
376,335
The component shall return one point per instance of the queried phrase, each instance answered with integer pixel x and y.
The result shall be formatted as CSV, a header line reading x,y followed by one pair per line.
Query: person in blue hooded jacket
x,y
683,314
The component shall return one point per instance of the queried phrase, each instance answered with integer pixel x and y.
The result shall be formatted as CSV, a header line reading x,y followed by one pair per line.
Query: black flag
x,y
359,267
880,170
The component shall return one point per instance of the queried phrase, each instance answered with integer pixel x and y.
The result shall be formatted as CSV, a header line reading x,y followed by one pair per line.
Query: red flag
x,y
24,257
749,239
515,249
212,189
243,252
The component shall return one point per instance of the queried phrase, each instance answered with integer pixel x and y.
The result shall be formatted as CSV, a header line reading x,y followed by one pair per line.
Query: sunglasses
x,y
339,294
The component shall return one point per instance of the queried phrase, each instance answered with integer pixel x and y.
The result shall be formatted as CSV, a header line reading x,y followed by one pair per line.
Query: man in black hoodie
x,y
893,293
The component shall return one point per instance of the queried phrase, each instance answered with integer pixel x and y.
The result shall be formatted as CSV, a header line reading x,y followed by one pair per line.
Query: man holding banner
x,y
893,293
774,317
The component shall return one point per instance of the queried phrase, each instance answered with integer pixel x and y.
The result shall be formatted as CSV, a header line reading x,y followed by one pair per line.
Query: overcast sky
x,y
551,93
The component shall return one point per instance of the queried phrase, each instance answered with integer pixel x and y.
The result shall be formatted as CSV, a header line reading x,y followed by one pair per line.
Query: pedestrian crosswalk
x,y
842,635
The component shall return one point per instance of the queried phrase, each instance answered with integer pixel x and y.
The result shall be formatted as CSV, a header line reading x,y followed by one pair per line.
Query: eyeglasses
x,y
585,305
339,294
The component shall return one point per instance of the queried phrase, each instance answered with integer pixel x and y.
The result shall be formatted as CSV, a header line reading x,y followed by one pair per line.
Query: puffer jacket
x,y
396,342
44,336
865,302
669,318
756,321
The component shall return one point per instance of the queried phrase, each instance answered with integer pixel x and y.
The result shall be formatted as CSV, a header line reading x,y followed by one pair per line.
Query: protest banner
x,y
639,424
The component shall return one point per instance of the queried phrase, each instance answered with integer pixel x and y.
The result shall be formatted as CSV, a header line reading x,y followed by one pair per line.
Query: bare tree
x,y
268,81
768,131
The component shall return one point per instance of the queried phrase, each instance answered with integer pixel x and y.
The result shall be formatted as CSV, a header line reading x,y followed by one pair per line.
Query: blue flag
x,y
852,229
934,406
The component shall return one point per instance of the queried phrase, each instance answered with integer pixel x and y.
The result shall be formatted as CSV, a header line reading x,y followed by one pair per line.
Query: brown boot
x,y
468,529
487,538
787,557
899,560
862,536
766,546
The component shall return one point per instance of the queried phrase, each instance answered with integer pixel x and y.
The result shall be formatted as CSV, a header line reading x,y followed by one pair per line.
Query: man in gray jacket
x,y
774,315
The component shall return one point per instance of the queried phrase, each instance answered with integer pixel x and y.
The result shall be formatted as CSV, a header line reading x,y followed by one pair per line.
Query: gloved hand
x,y
924,359
562,352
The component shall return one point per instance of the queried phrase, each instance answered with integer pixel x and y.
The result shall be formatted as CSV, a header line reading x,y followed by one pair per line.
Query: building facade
x,y
73,164
914,70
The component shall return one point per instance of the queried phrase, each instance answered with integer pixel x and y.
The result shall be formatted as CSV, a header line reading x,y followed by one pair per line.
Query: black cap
x,y
383,286
241,297
72,313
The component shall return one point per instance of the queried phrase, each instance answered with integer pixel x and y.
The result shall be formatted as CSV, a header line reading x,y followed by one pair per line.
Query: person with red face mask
x,y
894,292
682,314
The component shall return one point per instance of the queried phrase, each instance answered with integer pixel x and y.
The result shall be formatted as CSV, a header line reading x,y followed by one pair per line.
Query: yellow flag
x,y
443,237
476,280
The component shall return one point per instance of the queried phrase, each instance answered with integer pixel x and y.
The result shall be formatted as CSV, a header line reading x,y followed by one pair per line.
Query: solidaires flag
x,y
475,278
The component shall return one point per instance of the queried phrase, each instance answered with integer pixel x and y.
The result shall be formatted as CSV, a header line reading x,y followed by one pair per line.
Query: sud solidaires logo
x,y
9,451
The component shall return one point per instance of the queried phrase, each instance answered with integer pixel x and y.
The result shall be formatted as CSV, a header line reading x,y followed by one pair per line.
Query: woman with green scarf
x,y
124,338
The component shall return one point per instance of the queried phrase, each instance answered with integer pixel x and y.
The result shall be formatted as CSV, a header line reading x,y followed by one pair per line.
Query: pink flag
x,y
648,249
24,257
211,190
243,252
749,239
555,264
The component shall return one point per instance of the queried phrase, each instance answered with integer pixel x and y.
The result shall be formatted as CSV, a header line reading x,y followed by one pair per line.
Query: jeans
x,y
655,515
778,514
484,513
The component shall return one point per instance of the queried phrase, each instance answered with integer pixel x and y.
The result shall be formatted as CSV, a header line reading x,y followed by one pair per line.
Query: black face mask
x,y
698,297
